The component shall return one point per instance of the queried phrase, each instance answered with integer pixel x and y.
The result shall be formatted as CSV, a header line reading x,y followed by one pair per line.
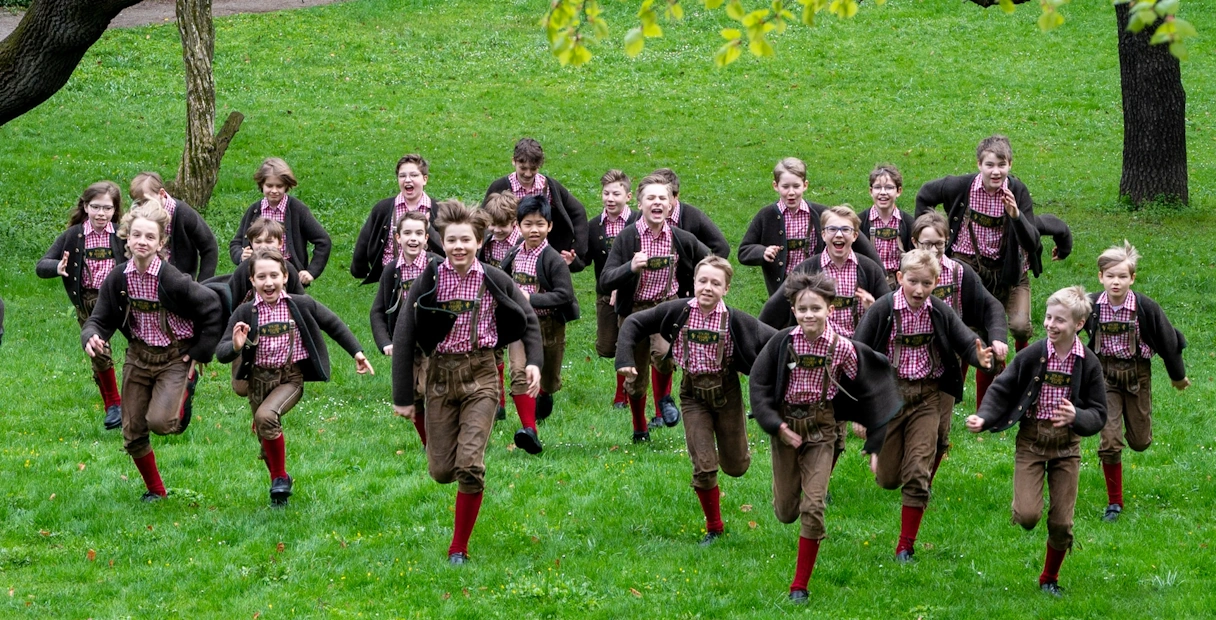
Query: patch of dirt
x,y
162,11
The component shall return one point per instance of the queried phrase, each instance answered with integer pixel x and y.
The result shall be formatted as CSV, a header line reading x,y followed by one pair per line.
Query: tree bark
x,y
204,149
38,57
1154,118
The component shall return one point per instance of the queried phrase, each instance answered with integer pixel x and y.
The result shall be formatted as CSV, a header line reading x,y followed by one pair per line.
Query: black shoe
x,y
828,499
501,414
669,411
458,558
280,490
710,537
904,556
799,596
188,404
526,438
1052,588
640,436
620,404
544,406
113,417
150,497
655,424
1112,513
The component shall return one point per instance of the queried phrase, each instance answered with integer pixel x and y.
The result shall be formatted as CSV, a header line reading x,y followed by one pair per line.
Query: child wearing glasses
x,y
884,224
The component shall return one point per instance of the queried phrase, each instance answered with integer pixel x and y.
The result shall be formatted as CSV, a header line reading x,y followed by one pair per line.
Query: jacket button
x,y
1036,379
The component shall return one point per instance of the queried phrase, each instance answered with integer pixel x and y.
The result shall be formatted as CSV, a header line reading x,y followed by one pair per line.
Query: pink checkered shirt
x,y
659,282
539,185
915,362
844,312
278,335
986,204
523,270
410,270
702,347
797,228
143,289
1119,344
884,234
171,207
400,208
1057,385
453,288
278,213
96,270
674,218
950,284
614,225
497,250
805,385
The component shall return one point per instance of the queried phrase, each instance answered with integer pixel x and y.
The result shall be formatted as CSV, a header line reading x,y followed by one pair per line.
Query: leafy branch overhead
x,y
574,26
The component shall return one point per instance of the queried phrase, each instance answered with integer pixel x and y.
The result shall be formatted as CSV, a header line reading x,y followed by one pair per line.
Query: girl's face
x,y
268,279
460,244
100,211
811,313
274,189
411,238
144,239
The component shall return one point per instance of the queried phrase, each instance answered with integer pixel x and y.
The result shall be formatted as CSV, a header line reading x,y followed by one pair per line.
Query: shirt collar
x,y
258,301
825,260
721,307
281,206
876,216
828,333
523,248
978,184
1077,349
108,230
623,217
901,302
803,207
1129,302
643,229
474,268
153,267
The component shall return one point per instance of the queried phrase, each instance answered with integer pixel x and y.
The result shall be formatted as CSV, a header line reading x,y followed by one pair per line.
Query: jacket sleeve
x,y
48,265
981,308
616,269
559,278
403,345
293,281
1167,342
532,341
333,325
379,312
712,236
205,243
864,247
871,323
637,326
930,196
777,312
751,248
1091,408
962,339
315,234
1026,228
1059,231
224,353
238,242
360,262
762,385
206,315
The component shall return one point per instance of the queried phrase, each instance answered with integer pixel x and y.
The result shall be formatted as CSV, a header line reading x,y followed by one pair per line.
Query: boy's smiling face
x,y
535,228
993,170
615,197
1060,326
525,172
411,181
655,202
884,192
811,313
411,238
790,188
274,189
839,235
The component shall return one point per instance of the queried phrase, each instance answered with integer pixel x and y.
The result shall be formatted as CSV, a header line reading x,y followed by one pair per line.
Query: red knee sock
x,y
620,396
147,469
937,462
982,381
662,386
109,388
1051,566
710,506
420,423
276,456
637,406
1018,345
525,406
467,507
502,392
909,525
808,550
1113,472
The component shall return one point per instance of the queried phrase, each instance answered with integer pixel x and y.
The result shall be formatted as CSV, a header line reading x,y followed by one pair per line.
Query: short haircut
x,y
615,176
799,282
1114,255
453,212
920,259
717,262
1074,299
534,204
845,211
417,160
275,167
933,220
412,216
669,175
149,209
270,254
100,188
655,179
997,145
887,170
789,165
264,226
145,183
529,151
500,207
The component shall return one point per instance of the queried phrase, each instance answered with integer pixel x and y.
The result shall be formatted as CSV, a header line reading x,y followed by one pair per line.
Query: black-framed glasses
x,y
839,230
100,208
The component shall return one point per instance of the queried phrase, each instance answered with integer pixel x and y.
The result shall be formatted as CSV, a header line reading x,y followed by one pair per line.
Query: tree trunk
x,y
1154,118
204,149
38,57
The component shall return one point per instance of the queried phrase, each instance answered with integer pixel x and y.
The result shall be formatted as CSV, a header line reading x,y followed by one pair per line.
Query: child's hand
x,y
568,256
975,423
1064,414
1181,384
362,366
1000,352
246,252
983,354
790,438
406,411
388,350
612,299
240,334
864,298
874,464
527,295
639,262
95,346
1011,204
62,269
771,252
859,430
628,371
532,372
305,278
1055,254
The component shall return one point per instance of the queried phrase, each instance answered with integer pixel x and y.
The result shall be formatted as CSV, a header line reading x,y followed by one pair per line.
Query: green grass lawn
x,y
594,526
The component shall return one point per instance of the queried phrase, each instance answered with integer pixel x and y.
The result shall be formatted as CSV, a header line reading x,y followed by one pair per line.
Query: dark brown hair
x,y
267,226
528,151
449,212
997,145
100,188
417,160
799,282
887,170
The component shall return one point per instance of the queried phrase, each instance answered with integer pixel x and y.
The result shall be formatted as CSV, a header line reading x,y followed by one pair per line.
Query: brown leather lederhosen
x,y
809,420
708,386
914,391
264,379
1121,372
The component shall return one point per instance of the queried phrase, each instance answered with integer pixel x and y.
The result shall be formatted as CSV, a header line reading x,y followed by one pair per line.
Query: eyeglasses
x,y
938,245
839,230
883,188
100,208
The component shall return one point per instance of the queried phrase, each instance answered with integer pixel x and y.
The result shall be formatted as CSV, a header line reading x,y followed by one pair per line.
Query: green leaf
x,y
808,14
1166,7
651,29
713,4
734,10
675,11
1050,20
634,42
727,54
730,34
580,55
1178,49
843,9
754,18
599,28
760,46
1007,6
1184,28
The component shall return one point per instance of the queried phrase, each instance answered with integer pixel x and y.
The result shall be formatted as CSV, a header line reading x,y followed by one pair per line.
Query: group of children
x,y
872,324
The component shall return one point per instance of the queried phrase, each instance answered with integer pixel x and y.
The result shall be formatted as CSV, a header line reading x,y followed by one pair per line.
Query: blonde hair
x,y
275,167
1119,254
920,259
1074,299
656,178
843,211
501,208
717,262
789,165
149,209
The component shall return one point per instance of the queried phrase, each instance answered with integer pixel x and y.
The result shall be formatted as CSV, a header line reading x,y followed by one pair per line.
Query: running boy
x,y
502,234
616,193
569,235
884,224
1125,330
275,179
263,233
1055,389
376,248
713,344
190,244
458,312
